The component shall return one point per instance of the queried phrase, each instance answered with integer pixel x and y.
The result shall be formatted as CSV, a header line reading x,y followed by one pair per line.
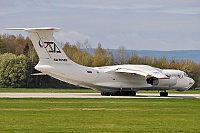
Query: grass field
x,y
47,90
52,90
100,115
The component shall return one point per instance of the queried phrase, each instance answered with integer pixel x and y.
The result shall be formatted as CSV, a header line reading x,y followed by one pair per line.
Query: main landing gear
x,y
164,94
105,93
119,93
128,93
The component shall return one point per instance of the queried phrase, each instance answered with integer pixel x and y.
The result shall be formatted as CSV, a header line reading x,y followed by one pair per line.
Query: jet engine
x,y
162,82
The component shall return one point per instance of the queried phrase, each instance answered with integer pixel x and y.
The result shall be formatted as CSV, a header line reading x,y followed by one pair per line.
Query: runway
x,y
91,95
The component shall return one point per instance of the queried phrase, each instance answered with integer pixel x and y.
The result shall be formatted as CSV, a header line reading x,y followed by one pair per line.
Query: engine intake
x,y
162,82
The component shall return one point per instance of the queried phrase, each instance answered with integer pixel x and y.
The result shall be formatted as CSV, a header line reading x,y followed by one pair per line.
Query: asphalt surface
x,y
91,95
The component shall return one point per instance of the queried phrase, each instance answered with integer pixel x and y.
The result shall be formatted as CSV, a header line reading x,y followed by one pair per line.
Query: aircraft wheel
x,y
124,93
130,93
133,93
164,94
105,93
118,93
108,93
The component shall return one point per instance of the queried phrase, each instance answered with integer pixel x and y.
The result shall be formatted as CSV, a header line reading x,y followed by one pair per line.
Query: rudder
x,y
45,44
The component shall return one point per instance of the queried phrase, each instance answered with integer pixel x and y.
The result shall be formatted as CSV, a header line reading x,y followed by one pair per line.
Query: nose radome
x,y
191,82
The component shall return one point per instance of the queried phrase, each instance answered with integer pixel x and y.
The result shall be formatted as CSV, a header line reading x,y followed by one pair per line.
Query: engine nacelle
x,y
162,82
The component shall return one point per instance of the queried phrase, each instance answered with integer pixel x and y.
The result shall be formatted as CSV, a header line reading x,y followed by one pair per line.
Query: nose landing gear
x,y
164,94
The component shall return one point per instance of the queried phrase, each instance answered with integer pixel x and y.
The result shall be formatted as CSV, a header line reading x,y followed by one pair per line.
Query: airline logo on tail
x,y
41,46
50,46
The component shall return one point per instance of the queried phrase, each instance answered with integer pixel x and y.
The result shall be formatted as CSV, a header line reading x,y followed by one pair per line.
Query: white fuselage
x,y
54,62
98,78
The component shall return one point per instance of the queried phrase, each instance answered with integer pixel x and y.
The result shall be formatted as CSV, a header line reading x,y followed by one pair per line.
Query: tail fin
x,y
45,44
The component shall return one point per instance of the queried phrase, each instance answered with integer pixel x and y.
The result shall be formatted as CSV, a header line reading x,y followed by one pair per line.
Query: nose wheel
x,y
164,94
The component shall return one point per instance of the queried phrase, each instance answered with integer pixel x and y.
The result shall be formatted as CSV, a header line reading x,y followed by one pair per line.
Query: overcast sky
x,y
135,24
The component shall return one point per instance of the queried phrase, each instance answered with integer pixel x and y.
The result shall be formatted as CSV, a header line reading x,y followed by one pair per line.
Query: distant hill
x,y
193,55
177,54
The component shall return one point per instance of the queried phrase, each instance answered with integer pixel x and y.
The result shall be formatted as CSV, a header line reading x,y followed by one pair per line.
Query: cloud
x,y
111,37
72,36
183,7
141,42
135,24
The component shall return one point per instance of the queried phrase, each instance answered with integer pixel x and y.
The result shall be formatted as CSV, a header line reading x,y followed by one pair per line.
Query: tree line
x,y
18,58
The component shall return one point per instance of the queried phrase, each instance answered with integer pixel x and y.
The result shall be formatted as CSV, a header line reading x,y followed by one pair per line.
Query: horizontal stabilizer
x,y
38,74
32,29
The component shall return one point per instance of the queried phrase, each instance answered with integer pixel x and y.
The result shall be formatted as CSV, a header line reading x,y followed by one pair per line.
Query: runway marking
x,y
91,95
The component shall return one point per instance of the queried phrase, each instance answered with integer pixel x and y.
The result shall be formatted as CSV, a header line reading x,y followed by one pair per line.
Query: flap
x,y
131,71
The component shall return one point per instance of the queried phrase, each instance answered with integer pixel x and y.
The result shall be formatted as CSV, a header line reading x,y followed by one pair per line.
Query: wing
x,y
153,72
128,71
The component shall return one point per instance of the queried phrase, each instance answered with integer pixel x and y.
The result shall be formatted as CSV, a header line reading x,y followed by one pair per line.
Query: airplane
x,y
116,80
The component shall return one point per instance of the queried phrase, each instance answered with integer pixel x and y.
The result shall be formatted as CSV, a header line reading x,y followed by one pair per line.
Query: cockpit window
x,y
185,74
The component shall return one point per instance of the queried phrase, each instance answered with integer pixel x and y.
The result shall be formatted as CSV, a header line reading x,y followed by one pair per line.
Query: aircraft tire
x,y
133,93
105,93
163,94
124,93
118,93
129,93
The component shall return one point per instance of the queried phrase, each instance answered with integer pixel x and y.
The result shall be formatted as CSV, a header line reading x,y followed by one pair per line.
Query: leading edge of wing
x,y
147,74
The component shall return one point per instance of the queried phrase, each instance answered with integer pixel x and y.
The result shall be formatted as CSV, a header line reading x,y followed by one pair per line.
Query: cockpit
x,y
186,75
